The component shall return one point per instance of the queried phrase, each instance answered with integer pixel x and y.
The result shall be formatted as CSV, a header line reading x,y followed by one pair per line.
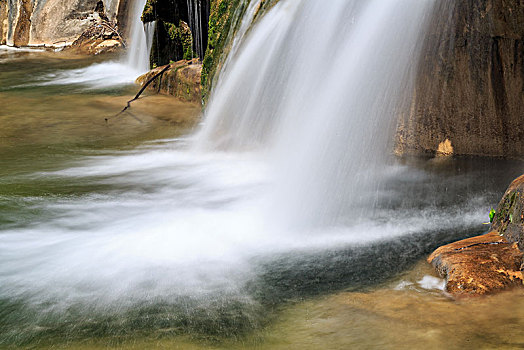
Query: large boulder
x,y
490,262
52,22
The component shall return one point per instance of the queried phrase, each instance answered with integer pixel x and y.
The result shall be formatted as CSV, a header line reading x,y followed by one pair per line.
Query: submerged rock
x,y
182,80
491,262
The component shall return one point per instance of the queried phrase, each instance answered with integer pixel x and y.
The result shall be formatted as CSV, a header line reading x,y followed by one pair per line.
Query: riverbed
x,y
115,232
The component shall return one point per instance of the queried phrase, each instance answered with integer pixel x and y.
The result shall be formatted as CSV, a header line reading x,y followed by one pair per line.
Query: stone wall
x,y
470,82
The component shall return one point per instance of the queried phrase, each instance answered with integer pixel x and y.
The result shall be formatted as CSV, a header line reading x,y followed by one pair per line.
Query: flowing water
x,y
119,71
282,223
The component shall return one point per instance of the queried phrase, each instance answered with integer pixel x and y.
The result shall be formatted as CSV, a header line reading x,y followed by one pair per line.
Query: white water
x,y
318,88
304,111
195,23
114,73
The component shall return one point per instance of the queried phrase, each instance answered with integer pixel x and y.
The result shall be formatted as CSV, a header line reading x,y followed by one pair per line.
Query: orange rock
x,y
479,265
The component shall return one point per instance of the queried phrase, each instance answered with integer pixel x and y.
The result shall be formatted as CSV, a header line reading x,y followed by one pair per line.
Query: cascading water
x,y
125,71
141,39
328,83
186,233
195,23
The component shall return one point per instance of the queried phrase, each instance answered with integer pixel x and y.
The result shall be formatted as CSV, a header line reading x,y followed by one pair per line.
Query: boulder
x,y
182,80
101,37
479,265
491,262
509,217
53,23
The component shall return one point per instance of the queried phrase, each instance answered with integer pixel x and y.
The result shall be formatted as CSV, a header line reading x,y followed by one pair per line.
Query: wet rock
x,y
181,29
509,216
479,265
182,80
470,81
491,262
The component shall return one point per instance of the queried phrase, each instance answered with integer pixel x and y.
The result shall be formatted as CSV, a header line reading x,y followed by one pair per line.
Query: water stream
x,y
285,196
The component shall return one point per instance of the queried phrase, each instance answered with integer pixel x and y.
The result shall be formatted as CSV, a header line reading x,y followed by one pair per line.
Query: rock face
x,y
182,80
51,22
479,265
223,22
509,217
3,22
470,82
491,262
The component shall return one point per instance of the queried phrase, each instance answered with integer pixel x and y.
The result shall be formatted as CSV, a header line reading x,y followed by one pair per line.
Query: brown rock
x,y
479,265
3,22
182,80
470,81
23,25
98,39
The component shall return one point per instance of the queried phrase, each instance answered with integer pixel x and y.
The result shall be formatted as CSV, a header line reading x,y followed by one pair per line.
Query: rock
x,y
101,37
445,148
52,22
470,81
3,22
491,262
509,216
479,265
182,80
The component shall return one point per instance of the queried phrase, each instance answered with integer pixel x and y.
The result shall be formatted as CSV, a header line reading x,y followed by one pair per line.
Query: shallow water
x,y
118,233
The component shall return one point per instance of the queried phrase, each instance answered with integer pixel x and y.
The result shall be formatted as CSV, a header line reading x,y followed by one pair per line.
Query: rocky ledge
x,y
181,80
488,263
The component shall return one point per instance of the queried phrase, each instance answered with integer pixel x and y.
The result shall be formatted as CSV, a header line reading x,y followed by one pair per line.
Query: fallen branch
x,y
109,26
159,74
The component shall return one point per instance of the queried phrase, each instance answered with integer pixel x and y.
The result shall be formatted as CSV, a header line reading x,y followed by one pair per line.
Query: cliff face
x,y
470,82
50,22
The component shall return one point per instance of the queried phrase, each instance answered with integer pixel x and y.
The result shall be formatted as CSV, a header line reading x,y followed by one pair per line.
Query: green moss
x,y
224,16
148,15
510,211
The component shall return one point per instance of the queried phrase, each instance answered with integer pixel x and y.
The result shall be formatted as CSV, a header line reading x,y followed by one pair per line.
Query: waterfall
x,y
140,40
318,88
194,8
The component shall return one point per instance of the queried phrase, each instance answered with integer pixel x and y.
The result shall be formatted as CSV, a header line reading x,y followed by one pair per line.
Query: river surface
x,y
117,233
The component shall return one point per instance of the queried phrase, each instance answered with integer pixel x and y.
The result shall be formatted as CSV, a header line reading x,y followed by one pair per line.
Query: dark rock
x,y
509,216
178,35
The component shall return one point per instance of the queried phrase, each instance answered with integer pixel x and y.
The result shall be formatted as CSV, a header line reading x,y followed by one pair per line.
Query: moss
x,y
223,14
148,15
510,211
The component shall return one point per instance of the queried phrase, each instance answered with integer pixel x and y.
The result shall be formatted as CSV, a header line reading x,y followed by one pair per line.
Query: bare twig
x,y
159,74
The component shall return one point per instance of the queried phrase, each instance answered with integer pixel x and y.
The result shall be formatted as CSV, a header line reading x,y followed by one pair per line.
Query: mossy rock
x,y
509,217
224,17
